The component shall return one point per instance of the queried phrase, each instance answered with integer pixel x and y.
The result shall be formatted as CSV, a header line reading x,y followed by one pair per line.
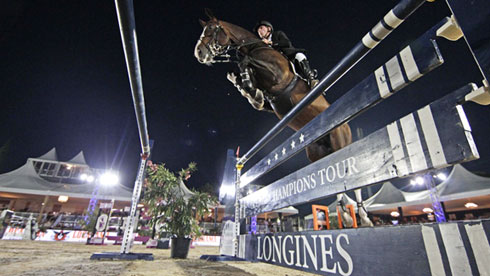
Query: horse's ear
x,y
209,13
202,22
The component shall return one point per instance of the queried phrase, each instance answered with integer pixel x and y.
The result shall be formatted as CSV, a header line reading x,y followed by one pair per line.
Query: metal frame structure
x,y
127,26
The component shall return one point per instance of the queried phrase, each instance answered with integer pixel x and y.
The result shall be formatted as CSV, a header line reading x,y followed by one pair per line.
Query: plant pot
x,y
179,247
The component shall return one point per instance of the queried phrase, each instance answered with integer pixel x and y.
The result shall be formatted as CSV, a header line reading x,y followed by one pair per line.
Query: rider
x,y
279,41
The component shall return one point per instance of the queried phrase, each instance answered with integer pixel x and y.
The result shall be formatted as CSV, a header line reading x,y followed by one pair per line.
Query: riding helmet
x,y
264,23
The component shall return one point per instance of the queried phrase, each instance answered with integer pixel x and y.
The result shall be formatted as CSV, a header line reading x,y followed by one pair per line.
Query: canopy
x,y
78,159
460,185
50,155
25,180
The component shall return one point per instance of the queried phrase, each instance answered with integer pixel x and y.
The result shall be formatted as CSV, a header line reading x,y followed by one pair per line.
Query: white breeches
x,y
300,57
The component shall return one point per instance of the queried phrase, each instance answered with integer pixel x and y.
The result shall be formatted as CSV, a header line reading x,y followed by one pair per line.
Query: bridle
x,y
214,47
221,51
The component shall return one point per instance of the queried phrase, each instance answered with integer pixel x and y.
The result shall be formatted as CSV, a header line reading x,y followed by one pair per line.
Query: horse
x,y
276,87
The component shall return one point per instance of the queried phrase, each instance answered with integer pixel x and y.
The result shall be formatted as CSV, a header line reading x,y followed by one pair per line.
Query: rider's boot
x,y
308,73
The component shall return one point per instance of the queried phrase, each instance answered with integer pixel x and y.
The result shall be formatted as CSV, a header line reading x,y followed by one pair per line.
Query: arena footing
x,y
120,256
220,258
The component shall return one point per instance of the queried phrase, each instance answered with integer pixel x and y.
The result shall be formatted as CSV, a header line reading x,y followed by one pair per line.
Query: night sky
x,y
64,83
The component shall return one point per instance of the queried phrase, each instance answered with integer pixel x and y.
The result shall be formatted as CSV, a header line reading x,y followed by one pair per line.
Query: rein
x,y
221,51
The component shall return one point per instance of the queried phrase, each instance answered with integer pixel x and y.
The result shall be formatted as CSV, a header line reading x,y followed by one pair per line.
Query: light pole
x,y
428,180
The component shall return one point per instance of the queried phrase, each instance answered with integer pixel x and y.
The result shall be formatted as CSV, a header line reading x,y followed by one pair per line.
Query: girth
x,y
281,102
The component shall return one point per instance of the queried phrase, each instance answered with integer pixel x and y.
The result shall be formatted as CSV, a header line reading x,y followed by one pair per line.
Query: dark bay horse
x,y
273,77
276,86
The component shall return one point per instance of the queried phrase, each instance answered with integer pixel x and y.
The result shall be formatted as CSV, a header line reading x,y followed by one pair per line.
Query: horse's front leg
x,y
254,96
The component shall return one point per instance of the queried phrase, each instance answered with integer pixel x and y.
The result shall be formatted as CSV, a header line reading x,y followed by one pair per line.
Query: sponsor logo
x,y
322,252
60,236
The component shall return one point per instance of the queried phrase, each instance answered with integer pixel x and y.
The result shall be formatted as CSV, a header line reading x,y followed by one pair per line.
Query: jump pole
x,y
127,26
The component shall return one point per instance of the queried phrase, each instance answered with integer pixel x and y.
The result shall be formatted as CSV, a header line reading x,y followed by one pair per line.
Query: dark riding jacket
x,y
281,42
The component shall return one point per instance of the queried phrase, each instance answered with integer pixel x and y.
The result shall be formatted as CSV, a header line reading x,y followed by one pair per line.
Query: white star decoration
x,y
302,138
268,162
283,151
293,144
276,156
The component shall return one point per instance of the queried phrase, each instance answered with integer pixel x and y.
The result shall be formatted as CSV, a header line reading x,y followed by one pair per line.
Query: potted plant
x,y
171,204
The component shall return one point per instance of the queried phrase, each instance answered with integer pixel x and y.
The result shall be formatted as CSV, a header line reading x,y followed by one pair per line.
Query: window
x,y
76,171
48,169
65,170
37,165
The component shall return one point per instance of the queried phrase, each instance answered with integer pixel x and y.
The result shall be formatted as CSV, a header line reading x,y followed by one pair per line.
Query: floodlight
x,y
109,179
419,180
470,205
90,178
427,210
83,176
442,176
395,214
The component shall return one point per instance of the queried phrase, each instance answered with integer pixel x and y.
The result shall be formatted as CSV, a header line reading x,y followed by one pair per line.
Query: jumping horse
x,y
276,87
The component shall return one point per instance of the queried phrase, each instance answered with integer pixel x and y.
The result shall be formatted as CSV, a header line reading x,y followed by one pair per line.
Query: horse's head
x,y
214,40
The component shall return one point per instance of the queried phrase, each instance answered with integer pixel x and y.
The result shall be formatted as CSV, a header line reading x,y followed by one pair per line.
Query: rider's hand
x,y
266,41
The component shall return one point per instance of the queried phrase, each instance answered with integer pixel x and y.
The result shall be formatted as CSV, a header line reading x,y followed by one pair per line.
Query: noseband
x,y
216,49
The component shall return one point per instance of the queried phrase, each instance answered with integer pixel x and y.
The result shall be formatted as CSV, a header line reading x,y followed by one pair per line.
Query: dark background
x,y
64,83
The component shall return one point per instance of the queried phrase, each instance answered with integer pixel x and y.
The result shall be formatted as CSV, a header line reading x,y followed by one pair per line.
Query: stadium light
x,y
442,176
419,180
109,178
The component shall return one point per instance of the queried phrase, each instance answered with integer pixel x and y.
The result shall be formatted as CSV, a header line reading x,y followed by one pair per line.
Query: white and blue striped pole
x,y
381,30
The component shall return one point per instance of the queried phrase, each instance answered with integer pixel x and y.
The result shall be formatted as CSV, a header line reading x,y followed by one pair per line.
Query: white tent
x,y
460,186
78,159
461,183
287,211
184,191
50,155
389,197
332,207
25,180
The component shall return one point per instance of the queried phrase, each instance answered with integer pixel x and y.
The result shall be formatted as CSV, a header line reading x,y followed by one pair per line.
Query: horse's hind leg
x,y
340,137
319,149
335,140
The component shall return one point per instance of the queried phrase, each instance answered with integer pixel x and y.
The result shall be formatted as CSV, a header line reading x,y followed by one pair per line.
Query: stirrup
x,y
314,74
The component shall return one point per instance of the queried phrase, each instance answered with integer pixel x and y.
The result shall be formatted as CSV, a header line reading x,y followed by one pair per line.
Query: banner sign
x,y
14,233
460,248
207,241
